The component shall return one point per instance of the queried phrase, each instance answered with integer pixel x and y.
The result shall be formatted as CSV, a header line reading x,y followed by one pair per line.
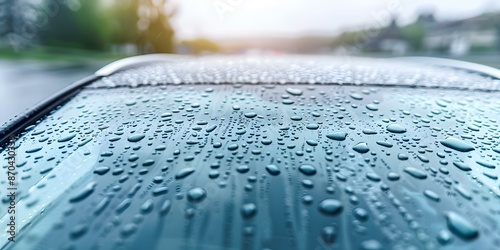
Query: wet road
x,y
23,83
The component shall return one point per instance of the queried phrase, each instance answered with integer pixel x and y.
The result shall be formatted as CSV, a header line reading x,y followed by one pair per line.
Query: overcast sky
x,y
236,18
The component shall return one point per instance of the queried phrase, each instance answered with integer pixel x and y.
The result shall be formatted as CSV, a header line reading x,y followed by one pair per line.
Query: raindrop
x,y
385,144
361,214
461,226
496,150
463,192
147,206
307,169
101,206
462,166
196,194
183,173
243,169
312,143
396,128
160,191
211,128
136,137
123,205
338,136
312,126
361,148
485,164
373,177
33,150
356,96
66,138
250,115
369,132
273,170
330,207
78,231
295,92
392,176
328,234
372,107
128,230
402,157
444,237
84,193
417,173
371,245
101,170
248,210
266,141
165,207
457,144
431,195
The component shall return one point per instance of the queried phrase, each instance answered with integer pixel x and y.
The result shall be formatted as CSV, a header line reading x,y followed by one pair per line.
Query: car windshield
x,y
293,152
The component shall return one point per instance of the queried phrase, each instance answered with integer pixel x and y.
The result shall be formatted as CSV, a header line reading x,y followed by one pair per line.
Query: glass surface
x,y
264,166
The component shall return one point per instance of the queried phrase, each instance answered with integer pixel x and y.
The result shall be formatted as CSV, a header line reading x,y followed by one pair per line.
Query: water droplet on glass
x,y
83,193
273,170
417,173
101,170
196,194
361,148
307,169
248,210
457,144
338,136
136,137
431,195
295,92
460,226
396,128
330,207
250,115
183,173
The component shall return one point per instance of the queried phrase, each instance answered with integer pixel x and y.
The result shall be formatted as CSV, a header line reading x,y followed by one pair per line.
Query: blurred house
x,y
389,39
460,37
426,34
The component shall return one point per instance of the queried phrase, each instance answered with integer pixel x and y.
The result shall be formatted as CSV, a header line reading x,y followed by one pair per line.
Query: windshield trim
x,y
16,125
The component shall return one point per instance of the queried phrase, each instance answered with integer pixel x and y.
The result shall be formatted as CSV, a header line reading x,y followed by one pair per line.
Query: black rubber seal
x,y
29,117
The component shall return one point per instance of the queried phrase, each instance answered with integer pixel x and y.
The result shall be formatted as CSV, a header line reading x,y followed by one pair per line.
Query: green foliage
x,y
76,26
156,33
123,17
92,25
414,34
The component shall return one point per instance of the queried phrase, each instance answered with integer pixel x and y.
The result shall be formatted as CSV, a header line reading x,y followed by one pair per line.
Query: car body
x,y
278,152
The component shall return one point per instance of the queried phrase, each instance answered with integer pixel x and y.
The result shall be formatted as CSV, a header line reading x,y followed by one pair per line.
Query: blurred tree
x,y
123,17
145,23
90,24
414,34
77,24
155,32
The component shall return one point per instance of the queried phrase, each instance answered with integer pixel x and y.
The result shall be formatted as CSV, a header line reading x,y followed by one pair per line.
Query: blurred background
x,y
47,44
